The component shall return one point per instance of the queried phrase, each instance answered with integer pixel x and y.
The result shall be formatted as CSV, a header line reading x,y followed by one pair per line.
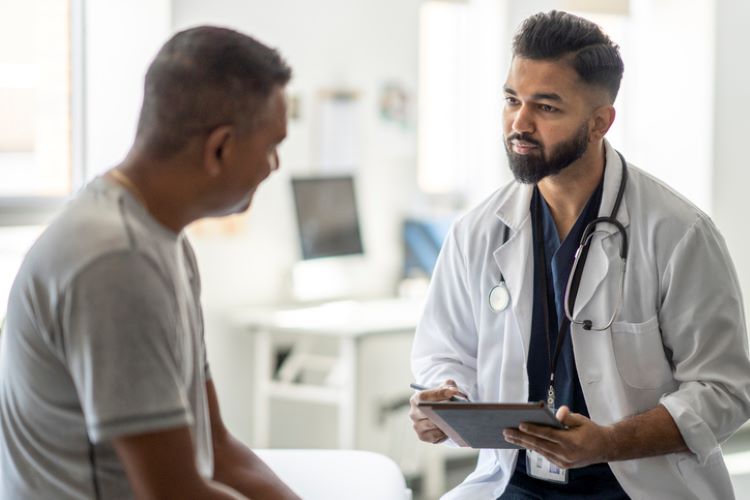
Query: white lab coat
x,y
679,340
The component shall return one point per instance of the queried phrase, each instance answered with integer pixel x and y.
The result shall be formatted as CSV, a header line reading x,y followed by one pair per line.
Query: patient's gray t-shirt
x,y
103,338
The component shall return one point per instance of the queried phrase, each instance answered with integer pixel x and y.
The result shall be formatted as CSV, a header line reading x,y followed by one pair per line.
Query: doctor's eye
x,y
548,109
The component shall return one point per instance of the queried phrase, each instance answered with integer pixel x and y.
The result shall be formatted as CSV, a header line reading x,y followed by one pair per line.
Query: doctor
x,y
638,343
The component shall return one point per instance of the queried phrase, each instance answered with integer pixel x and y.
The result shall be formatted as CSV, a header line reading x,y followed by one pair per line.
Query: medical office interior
x,y
312,296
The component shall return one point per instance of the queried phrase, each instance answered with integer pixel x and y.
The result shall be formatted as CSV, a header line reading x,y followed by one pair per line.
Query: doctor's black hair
x,y
558,35
202,78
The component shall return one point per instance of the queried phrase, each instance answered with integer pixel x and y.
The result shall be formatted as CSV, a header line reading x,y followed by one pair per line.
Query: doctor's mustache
x,y
524,136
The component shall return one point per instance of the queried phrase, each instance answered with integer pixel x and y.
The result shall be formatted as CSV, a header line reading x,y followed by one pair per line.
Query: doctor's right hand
x,y
426,430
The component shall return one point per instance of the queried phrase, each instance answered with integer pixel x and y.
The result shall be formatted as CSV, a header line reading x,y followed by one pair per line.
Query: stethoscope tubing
x,y
499,297
588,233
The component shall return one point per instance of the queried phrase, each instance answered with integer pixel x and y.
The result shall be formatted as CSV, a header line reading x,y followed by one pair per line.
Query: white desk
x,y
349,322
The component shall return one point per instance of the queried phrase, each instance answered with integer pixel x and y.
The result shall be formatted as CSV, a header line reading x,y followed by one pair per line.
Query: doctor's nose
x,y
521,121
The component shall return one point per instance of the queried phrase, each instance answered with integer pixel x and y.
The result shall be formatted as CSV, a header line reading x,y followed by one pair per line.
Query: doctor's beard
x,y
532,168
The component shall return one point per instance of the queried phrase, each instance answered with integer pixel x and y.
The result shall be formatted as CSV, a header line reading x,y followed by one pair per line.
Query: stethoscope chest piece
x,y
499,297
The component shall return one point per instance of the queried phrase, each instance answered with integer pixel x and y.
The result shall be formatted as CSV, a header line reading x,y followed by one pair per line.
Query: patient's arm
x,y
162,465
236,465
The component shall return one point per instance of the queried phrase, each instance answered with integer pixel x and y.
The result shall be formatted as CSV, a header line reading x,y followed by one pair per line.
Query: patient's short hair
x,y
557,35
202,78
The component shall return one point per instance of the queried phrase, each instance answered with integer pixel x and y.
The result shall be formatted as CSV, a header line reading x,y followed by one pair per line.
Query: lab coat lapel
x,y
604,247
514,258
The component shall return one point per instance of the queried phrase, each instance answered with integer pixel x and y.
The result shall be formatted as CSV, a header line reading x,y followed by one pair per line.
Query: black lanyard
x,y
541,262
576,279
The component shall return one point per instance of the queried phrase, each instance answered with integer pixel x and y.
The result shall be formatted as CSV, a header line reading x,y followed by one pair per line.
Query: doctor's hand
x,y
423,426
582,443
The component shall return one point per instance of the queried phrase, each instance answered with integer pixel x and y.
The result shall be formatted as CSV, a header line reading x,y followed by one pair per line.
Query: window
x,y
462,49
443,80
14,243
36,96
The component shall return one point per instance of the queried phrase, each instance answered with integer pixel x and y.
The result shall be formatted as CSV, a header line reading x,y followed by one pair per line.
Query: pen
x,y
418,387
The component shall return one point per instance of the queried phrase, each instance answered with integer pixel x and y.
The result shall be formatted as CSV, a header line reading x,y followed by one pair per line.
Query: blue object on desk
x,y
423,238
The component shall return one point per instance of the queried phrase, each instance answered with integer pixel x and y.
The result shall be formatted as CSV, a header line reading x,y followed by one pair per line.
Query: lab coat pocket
x,y
639,354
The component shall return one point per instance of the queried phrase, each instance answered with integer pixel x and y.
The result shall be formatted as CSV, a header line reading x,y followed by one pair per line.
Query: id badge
x,y
540,468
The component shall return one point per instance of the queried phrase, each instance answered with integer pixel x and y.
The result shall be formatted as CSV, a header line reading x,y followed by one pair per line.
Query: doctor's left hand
x,y
583,443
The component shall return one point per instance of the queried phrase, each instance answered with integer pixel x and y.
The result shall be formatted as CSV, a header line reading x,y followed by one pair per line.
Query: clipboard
x,y
480,425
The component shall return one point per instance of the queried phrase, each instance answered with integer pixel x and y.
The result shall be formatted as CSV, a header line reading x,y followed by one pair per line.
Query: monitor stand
x,y
330,278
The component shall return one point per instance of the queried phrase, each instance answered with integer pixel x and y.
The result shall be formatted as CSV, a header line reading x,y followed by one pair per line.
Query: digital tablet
x,y
480,425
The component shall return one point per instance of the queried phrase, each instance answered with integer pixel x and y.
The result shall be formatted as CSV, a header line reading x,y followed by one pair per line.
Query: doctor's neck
x,y
568,192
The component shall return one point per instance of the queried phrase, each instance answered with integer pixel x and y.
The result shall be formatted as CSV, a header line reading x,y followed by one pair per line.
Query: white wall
x,y
668,76
731,174
120,40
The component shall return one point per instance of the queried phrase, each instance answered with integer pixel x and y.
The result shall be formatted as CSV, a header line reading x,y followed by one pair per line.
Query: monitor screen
x,y
327,216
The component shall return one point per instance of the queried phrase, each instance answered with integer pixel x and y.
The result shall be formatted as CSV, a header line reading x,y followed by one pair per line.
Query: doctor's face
x,y
545,118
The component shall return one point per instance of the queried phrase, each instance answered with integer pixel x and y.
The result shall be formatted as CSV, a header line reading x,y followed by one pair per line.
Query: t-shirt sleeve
x,y
121,348
195,282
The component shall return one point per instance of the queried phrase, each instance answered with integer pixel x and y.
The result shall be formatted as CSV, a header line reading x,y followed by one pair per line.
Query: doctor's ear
x,y
601,120
218,149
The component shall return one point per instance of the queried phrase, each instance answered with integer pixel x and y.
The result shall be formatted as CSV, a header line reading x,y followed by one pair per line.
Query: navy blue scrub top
x,y
594,481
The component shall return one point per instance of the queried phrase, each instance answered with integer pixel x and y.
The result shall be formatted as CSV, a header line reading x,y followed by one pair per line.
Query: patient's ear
x,y
217,149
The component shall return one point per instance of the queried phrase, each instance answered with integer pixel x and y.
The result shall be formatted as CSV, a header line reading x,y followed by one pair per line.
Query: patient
x,y
105,391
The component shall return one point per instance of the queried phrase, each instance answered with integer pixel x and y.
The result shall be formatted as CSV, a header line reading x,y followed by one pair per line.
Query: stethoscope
x,y
499,295
499,298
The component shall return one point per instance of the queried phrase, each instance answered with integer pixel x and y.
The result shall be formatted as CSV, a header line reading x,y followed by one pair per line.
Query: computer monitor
x,y
327,218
